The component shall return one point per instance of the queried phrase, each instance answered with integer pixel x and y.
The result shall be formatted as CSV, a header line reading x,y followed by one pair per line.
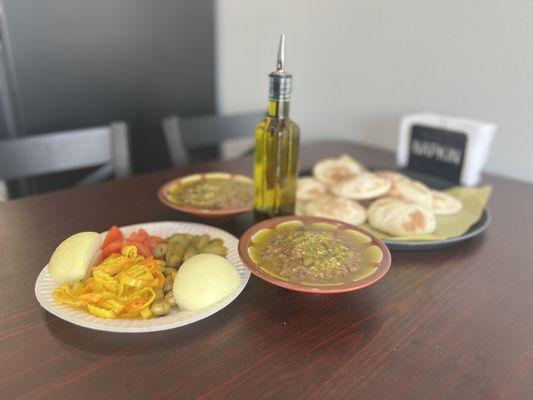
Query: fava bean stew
x,y
316,253
213,193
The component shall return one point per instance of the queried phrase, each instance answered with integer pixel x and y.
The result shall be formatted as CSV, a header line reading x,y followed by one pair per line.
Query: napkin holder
x,y
450,148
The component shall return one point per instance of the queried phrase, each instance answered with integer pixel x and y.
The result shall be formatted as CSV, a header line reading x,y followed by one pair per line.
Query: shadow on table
x,y
263,315
132,344
456,254
297,323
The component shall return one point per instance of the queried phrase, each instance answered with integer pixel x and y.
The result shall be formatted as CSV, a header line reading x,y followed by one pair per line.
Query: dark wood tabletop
x,y
450,324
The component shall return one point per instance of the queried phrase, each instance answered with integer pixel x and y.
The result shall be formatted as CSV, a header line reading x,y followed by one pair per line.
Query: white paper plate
x,y
44,287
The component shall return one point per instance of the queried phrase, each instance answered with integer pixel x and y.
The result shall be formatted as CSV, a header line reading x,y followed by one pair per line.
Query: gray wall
x,y
89,62
360,65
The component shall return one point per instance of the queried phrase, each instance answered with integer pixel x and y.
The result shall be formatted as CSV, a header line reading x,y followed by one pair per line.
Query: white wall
x,y
358,66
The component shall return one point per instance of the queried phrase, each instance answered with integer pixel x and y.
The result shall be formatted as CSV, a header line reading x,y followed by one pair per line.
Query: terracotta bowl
x,y
246,240
221,215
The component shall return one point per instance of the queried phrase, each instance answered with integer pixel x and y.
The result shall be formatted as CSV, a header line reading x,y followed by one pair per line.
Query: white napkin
x,y
479,137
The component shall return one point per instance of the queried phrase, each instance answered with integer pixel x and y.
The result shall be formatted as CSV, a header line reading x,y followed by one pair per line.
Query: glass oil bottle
x,y
276,150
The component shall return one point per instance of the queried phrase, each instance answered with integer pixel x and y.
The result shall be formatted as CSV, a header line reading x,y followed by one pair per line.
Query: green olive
x,y
215,249
191,251
169,283
160,308
184,239
160,249
217,241
170,271
174,254
194,240
159,294
176,236
174,260
202,241
169,298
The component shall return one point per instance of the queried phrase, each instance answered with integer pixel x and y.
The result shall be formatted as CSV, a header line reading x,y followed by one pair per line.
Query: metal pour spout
x,y
281,54
280,80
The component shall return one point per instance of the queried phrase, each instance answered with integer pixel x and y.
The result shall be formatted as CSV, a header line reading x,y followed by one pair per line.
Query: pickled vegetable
x,y
131,284
122,286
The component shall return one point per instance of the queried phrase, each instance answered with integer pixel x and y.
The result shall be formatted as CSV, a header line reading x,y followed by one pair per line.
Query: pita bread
x,y
331,171
309,189
415,191
400,217
345,210
393,177
364,186
351,160
445,204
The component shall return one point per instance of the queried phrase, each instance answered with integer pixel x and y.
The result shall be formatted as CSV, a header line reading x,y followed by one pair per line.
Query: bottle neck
x,y
278,109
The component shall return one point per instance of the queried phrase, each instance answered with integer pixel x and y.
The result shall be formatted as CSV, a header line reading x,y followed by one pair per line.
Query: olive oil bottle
x,y
277,143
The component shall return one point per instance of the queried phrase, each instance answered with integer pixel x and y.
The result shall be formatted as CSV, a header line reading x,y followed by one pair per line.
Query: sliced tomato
x,y
143,238
113,247
153,241
113,235
138,236
143,234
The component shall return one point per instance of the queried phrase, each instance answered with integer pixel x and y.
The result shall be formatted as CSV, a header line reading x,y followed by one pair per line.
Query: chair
x,y
185,134
105,147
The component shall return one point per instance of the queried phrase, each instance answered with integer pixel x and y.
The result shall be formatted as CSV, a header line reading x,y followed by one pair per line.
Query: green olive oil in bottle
x,y
277,143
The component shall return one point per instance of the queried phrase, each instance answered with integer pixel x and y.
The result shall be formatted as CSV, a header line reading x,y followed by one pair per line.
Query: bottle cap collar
x,y
280,81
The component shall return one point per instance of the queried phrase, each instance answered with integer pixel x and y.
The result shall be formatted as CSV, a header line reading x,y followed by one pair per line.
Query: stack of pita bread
x,y
343,189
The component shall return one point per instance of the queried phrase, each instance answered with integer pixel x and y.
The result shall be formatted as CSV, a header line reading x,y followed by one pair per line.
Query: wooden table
x,y
449,324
